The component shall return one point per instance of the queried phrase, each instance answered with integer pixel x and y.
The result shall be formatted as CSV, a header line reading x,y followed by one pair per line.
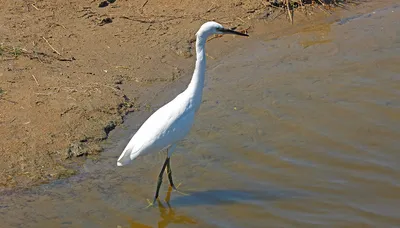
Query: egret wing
x,y
167,125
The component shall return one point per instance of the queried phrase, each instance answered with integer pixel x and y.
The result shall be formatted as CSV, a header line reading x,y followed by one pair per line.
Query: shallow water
x,y
299,131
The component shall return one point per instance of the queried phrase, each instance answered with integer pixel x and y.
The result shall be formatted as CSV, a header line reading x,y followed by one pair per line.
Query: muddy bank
x,y
71,70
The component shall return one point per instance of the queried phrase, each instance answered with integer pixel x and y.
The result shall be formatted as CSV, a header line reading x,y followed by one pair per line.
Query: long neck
x,y
197,83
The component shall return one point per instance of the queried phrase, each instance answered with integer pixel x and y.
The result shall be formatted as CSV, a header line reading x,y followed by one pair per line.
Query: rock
x,y
66,173
84,139
104,21
95,149
118,79
184,50
176,73
103,4
110,126
184,53
76,150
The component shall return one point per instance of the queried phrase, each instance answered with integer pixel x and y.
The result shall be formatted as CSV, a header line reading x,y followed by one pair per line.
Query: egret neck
x,y
195,88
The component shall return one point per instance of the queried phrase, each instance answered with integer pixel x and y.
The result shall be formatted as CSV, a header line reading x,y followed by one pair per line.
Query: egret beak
x,y
230,31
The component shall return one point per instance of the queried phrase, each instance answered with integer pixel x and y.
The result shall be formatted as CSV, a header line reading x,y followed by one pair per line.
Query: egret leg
x,y
169,172
171,182
160,177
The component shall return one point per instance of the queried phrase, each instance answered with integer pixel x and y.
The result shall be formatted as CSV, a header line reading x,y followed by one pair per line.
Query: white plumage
x,y
166,126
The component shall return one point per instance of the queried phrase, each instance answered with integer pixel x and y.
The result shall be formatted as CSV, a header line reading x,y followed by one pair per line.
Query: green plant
x,y
17,51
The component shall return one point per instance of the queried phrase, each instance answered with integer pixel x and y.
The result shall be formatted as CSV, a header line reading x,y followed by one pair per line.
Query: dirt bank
x,y
70,70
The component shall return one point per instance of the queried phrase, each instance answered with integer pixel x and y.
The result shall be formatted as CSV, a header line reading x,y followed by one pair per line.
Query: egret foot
x,y
175,188
178,191
150,204
171,182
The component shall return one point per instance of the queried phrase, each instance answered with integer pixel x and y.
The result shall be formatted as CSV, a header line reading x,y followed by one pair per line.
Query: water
x,y
299,131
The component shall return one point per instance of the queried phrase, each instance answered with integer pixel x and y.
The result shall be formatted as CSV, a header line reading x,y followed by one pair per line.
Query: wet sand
x,y
300,130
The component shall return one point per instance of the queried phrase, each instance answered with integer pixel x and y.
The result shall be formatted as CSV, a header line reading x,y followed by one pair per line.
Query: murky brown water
x,y
299,131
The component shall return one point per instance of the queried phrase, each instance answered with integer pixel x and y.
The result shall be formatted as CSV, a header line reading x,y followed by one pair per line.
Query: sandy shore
x,y
71,70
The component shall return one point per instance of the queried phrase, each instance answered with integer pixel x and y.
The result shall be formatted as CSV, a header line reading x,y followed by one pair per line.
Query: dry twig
x,y
37,83
288,9
209,56
321,2
214,37
33,5
144,4
51,46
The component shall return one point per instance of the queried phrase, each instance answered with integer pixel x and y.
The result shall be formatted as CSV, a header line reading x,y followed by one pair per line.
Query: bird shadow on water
x,y
232,196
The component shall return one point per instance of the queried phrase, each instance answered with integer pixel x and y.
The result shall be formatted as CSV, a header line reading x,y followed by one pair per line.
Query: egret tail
x,y
125,158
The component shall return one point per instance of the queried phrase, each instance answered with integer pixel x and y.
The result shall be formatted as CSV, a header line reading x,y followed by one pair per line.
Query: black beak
x,y
230,31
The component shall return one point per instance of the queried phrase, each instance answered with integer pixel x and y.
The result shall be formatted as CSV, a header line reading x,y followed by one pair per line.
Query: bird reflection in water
x,y
167,215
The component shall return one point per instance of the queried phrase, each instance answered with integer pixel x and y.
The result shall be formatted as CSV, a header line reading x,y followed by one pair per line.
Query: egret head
x,y
211,27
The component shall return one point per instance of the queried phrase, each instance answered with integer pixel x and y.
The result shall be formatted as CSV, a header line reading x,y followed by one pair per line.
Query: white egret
x,y
172,122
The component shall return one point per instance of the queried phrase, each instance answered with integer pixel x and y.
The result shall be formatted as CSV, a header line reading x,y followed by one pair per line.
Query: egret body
x,y
172,122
